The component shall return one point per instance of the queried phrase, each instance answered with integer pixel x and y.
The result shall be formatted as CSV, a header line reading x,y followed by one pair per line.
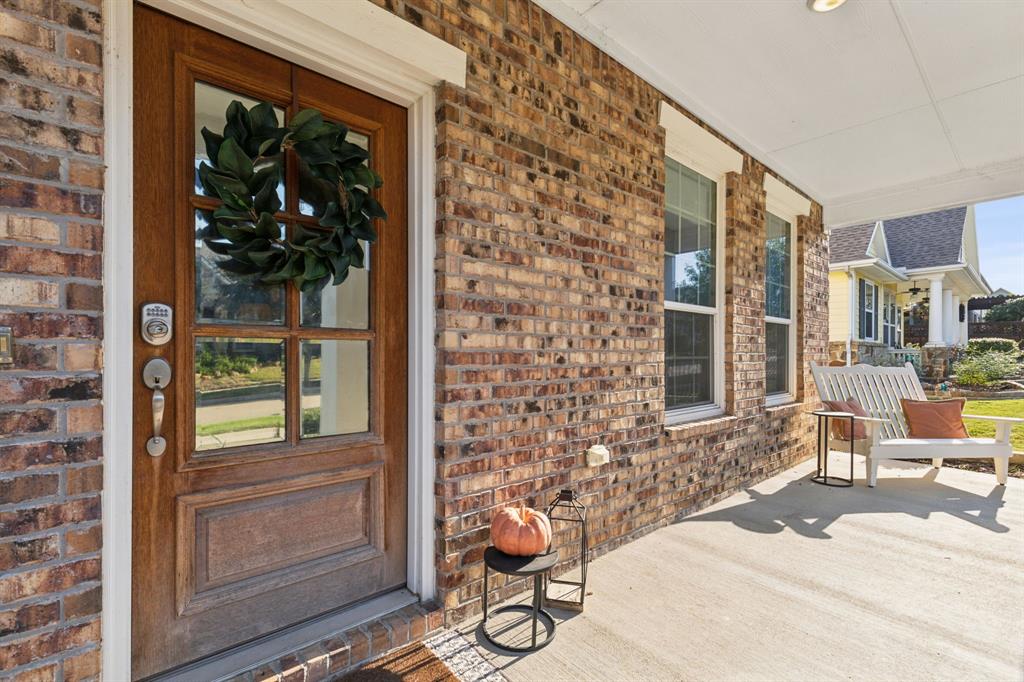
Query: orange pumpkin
x,y
520,531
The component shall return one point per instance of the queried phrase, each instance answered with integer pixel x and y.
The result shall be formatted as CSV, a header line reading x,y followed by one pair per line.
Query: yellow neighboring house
x,y
878,271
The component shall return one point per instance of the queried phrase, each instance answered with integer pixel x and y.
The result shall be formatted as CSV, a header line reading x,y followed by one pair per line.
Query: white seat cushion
x,y
930,448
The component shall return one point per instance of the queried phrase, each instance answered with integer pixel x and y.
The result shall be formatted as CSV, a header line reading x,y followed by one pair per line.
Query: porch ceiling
x,y
875,109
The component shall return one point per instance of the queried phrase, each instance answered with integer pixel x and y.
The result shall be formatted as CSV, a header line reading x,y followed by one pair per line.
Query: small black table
x,y
536,565
821,476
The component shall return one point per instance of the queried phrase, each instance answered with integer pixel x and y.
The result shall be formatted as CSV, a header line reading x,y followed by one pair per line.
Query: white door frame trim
x,y
406,71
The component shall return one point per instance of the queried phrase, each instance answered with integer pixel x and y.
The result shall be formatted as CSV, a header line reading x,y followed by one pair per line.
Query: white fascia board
x,y
995,181
875,268
696,148
781,198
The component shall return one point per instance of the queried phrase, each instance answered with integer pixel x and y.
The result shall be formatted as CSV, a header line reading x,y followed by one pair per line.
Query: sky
x,y
1000,226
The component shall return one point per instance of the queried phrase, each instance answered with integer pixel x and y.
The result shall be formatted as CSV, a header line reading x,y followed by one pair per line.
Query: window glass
x,y
211,105
335,387
777,358
224,297
239,392
690,210
778,247
346,306
689,362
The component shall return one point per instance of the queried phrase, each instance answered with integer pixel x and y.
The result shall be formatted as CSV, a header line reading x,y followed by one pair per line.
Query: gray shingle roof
x,y
918,241
926,240
850,243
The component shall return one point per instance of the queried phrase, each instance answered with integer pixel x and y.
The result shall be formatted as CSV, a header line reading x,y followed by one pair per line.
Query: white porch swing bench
x,y
879,390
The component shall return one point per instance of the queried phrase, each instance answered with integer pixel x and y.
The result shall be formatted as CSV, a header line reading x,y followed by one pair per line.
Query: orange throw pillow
x,y
935,418
841,425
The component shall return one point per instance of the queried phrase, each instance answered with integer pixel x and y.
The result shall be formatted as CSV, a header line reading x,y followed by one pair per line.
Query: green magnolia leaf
x,y
267,227
239,124
266,199
213,142
231,158
263,119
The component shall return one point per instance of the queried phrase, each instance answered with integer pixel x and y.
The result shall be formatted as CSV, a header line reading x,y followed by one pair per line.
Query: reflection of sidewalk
x,y
234,439
229,412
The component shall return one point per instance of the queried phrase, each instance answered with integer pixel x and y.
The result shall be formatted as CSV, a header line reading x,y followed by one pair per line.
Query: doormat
x,y
412,663
446,657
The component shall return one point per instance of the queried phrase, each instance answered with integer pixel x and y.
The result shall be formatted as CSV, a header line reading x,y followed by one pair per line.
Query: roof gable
x,y
850,243
927,240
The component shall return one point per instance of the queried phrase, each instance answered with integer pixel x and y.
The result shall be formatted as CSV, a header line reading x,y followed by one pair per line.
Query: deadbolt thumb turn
x,y
157,375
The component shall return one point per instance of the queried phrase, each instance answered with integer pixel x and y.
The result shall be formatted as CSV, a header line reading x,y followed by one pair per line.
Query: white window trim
x,y
405,71
779,210
717,405
696,148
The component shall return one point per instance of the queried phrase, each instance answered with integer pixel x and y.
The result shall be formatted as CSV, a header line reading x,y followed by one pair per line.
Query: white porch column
x,y
947,317
954,321
935,312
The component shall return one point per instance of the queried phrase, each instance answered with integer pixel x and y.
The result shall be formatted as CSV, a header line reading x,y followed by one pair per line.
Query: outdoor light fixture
x,y
566,508
823,5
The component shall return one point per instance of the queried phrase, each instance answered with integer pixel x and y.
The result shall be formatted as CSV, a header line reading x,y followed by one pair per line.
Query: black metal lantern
x,y
567,508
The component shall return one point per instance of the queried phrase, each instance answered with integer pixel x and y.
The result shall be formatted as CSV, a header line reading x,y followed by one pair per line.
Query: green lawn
x,y
996,408
250,424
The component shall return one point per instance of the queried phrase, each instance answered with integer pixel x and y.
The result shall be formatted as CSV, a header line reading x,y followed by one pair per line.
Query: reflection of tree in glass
x,y
694,283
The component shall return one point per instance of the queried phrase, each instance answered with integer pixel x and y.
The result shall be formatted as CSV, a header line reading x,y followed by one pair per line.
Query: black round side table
x,y
536,565
821,475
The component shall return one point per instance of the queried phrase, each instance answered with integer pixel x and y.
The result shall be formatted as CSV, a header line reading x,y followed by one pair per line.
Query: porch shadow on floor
x,y
918,580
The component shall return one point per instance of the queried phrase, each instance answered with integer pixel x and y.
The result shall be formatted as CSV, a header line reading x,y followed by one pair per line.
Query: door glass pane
x,y
777,358
211,105
239,392
688,367
777,270
314,193
345,306
224,297
690,233
335,387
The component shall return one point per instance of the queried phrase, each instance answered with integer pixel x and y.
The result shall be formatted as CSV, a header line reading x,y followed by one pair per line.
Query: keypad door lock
x,y
157,323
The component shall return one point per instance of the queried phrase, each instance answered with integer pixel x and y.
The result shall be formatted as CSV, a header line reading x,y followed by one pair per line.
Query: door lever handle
x,y
157,375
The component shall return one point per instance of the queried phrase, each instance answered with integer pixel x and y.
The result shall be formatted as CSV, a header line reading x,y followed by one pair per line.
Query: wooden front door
x,y
282,491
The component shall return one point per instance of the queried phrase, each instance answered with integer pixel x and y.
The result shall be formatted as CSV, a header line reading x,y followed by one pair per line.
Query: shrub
x,y
975,346
984,368
212,363
1011,310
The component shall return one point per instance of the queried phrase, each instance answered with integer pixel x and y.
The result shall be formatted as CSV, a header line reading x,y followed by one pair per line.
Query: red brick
x,y
23,422
85,603
50,199
85,236
85,541
27,164
28,617
52,325
84,666
48,580
31,487
26,32
27,390
84,297
23,651
22,521
16,553
42,673
31,455
82,49
85,479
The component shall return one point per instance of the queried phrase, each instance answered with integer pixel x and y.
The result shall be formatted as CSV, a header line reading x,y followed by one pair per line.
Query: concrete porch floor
x,y
920,578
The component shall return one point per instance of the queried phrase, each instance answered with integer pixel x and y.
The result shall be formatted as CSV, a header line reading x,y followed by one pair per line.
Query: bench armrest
x,y
1004,420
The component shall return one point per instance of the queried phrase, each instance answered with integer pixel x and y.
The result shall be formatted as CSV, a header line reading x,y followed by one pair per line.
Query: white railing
x,y
904,355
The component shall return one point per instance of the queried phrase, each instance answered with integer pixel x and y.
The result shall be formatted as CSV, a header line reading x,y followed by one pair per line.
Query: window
x,y
868,307
891,320
691,291
779,341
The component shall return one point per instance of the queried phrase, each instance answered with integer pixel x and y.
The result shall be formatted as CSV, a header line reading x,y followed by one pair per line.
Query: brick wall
x,y
50,417
549,296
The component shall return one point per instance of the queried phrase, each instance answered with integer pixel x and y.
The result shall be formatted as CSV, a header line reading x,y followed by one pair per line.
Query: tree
x,y
1011,310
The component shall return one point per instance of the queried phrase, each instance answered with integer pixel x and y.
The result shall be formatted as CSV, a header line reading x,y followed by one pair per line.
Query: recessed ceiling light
x,y
824,5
